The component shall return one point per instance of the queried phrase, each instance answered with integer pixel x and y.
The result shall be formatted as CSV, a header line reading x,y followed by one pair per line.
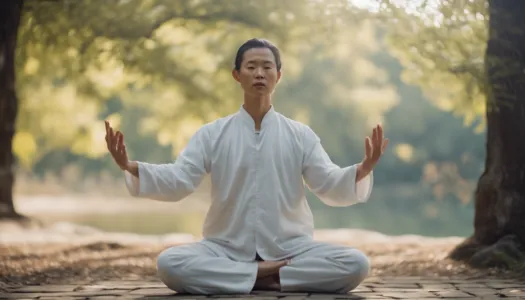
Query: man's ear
x,y
279,73
235,75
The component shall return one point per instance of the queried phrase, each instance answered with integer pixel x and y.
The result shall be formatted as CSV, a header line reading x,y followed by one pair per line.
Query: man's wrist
x,y
132,167
362,172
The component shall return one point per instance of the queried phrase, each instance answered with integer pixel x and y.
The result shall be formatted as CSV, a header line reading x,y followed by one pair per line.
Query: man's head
x,y
257,67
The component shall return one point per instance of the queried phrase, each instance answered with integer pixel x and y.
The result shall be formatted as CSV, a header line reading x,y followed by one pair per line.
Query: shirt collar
x,y
247,118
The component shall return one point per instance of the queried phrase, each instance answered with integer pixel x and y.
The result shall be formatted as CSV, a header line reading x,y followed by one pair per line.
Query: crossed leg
x,y
196,269
325,268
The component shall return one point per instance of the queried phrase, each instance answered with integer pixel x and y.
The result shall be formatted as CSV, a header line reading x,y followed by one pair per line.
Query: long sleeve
x,y
173,181
335,186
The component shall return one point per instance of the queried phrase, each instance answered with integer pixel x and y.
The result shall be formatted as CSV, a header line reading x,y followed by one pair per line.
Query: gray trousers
x,y
323,268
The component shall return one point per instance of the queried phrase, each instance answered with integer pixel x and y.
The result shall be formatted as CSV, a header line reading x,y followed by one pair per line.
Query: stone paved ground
x,y
408,267
372,288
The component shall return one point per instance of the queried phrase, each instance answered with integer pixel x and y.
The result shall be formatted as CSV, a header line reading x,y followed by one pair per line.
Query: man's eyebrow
x,y
257,60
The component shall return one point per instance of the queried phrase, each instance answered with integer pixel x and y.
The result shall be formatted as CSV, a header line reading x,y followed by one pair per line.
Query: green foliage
x,y
441,46
171,59
340,87
340,92
180,77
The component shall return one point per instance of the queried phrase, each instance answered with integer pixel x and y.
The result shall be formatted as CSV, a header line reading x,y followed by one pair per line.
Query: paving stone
x,y
372,288
437,286
394,290
237,297
106,298
44,289
277,294
453,294
408,295
505,285
19,295
363,289
59,295
470,285
152,292
369,296
334,296
516,292
480,291
66,298
406,286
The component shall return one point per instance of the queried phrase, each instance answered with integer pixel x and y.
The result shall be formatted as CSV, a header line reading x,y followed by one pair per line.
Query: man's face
x,y
258,74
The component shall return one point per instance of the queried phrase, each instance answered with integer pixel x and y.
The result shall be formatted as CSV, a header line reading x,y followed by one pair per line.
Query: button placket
x,y
256,183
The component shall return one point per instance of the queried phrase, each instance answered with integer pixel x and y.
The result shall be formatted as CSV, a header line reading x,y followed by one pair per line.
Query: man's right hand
x,y
116,146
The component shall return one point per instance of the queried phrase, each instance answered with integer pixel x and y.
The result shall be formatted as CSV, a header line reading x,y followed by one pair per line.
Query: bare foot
x,y
267,284
269,268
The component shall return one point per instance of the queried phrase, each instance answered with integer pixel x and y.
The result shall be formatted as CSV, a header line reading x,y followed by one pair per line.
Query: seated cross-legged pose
x,y
258,233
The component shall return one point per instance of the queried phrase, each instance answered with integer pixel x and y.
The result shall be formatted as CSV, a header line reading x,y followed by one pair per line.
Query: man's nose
x,y
259,73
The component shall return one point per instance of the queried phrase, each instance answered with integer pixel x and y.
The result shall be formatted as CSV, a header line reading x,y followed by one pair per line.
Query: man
x,y
258,233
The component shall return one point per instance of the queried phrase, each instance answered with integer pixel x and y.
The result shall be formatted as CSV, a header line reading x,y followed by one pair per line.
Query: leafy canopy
x,y
171,59
441,45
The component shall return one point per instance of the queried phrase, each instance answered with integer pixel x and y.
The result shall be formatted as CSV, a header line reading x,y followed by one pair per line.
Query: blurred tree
x,y
171,59
339,91
441,47
499,226
337,85
10,12
463,67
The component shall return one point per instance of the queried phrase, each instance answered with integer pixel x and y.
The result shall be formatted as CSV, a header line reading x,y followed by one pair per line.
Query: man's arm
x,y
133,168
334,185
164,182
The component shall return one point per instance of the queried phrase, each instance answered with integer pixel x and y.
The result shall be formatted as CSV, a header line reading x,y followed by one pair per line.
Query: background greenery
x,y
160,69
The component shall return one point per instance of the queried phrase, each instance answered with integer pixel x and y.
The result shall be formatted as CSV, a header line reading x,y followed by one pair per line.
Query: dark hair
x,y
257,43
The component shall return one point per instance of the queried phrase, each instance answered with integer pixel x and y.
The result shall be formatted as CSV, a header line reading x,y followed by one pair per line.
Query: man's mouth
x,y
259,84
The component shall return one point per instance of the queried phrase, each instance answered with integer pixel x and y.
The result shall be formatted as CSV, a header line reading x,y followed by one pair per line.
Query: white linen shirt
x,y
257,189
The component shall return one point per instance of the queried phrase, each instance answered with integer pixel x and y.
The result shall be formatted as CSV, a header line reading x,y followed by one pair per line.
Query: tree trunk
x,y
10,12
499,224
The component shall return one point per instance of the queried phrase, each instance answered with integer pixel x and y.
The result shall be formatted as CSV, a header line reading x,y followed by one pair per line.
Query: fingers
x,y
385,144
381,141
283,263
368,147
114,141
120,147
374,136
107,132
375,146
380,134
117,142
109,136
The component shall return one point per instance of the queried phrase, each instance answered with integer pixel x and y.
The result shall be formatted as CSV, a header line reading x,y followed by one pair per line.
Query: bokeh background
x,y
159,69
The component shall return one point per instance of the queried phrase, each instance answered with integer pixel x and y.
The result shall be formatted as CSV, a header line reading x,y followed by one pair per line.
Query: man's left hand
x,y
374,149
